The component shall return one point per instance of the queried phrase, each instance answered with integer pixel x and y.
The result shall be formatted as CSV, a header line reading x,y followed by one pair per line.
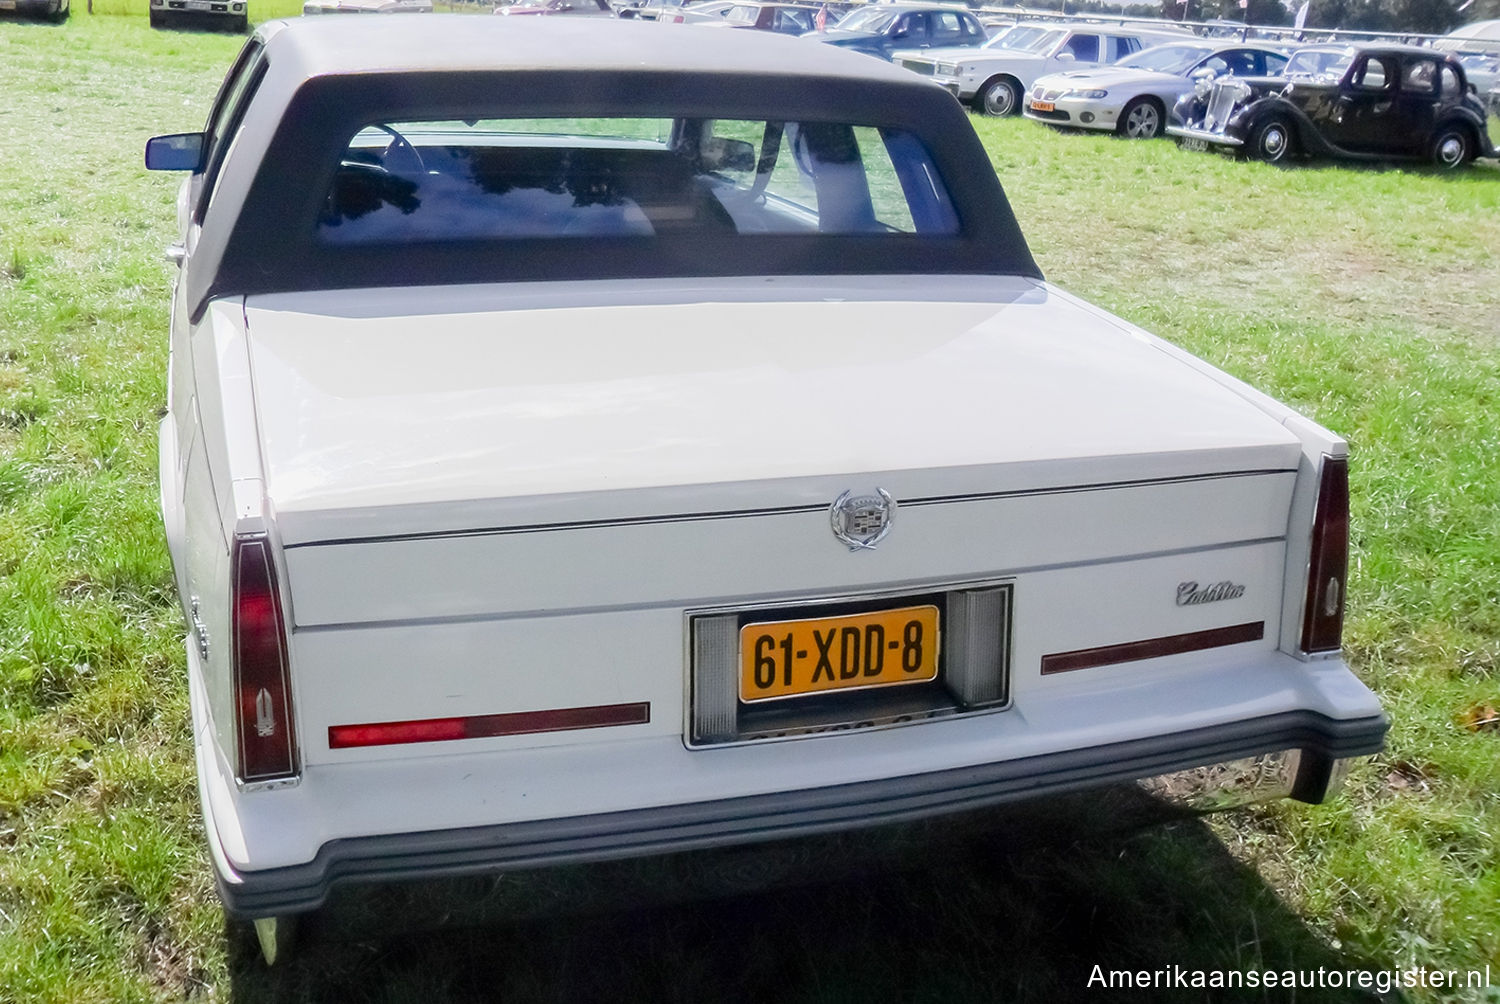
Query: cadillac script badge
x,y
862,522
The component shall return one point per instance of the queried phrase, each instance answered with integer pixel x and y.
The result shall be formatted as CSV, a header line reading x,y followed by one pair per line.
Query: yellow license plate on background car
x,y
885,648
1042,106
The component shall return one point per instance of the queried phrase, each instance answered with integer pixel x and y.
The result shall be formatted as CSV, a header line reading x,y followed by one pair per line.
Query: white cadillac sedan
x,y
1133,96
583,444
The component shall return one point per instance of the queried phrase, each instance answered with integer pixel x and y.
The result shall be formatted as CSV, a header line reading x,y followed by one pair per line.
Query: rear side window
x,y
416,182
1421,77
1450,81
1376,74
1085,48
1119,46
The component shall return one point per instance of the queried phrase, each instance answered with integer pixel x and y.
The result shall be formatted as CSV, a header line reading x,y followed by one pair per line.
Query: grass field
x,y
1370,299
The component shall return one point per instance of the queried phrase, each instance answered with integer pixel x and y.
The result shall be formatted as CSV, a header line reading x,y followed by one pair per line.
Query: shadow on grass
x,y
1007,905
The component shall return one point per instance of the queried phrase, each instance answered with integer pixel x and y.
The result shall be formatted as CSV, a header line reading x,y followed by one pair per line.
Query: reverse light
x,y
1328,562
265,739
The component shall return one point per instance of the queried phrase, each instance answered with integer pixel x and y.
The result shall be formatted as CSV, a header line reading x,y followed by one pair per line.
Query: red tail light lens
x,y
262,685
1328,565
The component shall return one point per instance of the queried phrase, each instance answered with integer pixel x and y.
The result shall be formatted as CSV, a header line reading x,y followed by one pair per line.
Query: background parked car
x,y
1391,102
783,18
881,29
994,81
705,10
1132,96
54,10
553,8
1013,36
226,15
648,10
367,7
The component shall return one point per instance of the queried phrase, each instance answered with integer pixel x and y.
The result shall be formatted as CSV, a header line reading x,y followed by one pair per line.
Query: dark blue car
x,y
881,29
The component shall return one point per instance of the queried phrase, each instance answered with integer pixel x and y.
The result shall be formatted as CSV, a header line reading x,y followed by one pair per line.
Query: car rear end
x,y
583,542
587,632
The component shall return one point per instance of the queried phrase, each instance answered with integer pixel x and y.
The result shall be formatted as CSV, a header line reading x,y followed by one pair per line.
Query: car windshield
x,y
412,182
1042,42
1319,63
1171,58
742,14
1015,38
870,19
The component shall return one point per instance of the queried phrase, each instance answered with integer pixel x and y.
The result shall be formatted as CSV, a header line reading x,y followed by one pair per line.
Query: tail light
x,y
262,685
1328,563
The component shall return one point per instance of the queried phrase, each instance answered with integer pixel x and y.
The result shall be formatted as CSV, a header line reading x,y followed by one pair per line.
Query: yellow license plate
x,y
857,651
1042,106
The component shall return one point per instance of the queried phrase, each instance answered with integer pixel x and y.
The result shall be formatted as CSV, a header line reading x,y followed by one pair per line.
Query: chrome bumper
x,y
1204,136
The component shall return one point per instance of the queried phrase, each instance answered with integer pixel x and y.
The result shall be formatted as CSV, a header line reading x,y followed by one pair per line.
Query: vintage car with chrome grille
x,y
1352,102
584,444
1212,98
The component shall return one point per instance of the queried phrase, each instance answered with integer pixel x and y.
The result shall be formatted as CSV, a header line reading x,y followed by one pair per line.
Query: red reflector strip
x,y
518,723
1152,648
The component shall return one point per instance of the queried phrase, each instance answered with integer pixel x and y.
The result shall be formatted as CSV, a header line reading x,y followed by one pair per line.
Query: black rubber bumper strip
x,y
644,832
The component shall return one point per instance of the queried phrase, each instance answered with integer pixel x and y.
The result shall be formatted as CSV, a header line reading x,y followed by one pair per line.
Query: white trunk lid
x,y
425,411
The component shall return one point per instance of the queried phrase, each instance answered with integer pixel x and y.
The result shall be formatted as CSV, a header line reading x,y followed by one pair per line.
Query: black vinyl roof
x,y
342,80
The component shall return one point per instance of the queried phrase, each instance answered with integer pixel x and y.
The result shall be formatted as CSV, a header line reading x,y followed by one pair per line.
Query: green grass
x,y
1370,299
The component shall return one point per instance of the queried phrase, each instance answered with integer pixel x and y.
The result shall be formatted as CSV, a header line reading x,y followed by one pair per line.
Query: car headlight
x,y
1201,87
946,69
1092,95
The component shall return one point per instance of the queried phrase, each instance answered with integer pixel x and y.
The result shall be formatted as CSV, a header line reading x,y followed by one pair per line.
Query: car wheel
x,y
1451,148
1273,141
1000,97
158,19
242,25
1141,119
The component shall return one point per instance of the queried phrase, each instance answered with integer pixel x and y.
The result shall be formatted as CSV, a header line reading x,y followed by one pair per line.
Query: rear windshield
x,y
407,182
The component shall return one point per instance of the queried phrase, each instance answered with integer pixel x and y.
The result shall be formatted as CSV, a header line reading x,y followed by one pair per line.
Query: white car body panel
x,y
1123,85
557,398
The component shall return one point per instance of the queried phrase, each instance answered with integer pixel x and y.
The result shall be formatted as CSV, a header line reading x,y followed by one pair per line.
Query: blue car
x,y
879,30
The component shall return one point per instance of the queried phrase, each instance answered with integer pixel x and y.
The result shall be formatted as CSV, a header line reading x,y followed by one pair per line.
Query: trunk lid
x,y
427,411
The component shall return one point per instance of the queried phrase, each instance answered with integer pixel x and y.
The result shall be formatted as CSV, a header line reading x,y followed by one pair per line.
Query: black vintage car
x,y
1369,102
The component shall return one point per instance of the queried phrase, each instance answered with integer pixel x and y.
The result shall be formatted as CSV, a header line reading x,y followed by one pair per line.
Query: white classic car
x,y
1134,96
582,444
926,61
994,80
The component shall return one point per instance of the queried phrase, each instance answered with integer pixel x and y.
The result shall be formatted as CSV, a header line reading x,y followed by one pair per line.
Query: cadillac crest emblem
x,y
862,522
